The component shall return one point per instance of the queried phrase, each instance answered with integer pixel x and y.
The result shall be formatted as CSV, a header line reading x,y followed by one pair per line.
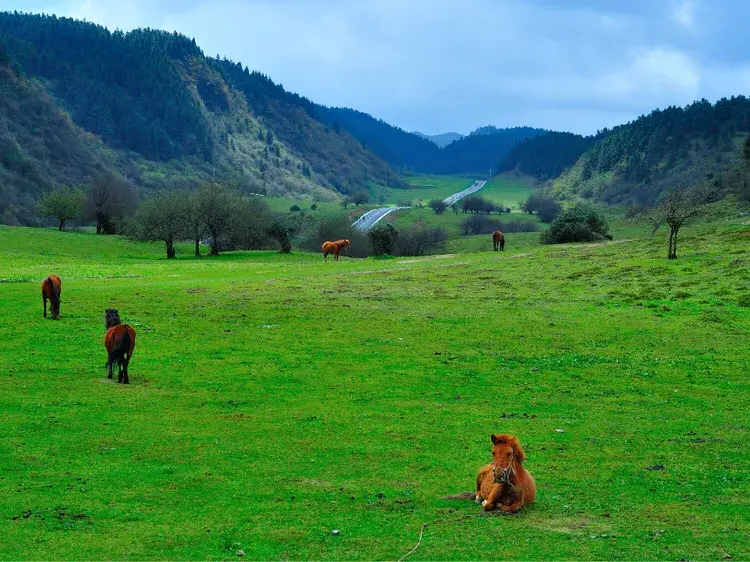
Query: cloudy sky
x,y
454,65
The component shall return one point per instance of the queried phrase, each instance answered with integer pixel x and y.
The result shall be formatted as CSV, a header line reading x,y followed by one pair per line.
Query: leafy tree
x,y
282,231
678,206
438,205
64,204
360,197
162,217
109,201
383,239
580,223
476,204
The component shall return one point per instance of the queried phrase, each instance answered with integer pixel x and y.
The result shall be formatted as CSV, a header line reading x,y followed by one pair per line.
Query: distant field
x,y
424,188
509,191
275,398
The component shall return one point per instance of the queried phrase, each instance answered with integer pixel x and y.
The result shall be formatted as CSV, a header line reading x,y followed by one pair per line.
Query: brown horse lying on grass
x,y
505,484
51,288
334,248
120,342
498,240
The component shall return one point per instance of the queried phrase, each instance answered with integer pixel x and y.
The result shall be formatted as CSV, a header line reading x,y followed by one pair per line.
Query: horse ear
x,y
493,438
517,449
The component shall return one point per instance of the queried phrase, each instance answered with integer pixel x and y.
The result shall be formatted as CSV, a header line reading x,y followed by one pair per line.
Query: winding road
x,y
371,218
476,186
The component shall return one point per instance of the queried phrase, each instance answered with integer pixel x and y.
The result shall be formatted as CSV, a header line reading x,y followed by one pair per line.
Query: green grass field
x,y
275,398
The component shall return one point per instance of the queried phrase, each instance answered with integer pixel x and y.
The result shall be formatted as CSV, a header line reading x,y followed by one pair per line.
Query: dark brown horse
x,y
119,342
51,289
498,240
334,248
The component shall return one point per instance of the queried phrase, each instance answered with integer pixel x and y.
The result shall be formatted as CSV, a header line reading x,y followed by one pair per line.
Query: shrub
x,y
295,208
383,239
476,204
438,205
313,207
580,223
419,241
545,206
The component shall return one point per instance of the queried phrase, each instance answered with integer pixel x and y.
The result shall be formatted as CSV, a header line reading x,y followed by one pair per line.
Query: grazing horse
x,y
119,342
334,248
51,288
505,484
498,240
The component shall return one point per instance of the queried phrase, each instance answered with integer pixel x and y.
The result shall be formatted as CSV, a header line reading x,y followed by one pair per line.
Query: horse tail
x,y
56,288
461,496
121,349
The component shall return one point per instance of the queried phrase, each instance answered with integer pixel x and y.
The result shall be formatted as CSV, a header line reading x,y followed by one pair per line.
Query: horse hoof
x,y
484,503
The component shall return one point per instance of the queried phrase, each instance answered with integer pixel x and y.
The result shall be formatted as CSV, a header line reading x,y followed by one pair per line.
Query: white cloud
x,y
683,12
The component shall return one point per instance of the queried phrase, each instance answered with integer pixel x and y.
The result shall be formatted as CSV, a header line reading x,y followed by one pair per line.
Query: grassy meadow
x,y
275,398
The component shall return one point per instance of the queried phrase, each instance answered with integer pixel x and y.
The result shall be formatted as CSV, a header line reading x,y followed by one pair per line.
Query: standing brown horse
x,y
505,484
334,248
498,240
51,288
119,342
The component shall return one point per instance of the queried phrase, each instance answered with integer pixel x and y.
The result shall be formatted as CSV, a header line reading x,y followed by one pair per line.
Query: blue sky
x,y
454,65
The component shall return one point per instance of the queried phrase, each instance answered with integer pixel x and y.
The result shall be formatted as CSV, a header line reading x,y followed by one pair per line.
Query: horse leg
x,y
325,256
493,496
512,508
44,301
109,369
126,379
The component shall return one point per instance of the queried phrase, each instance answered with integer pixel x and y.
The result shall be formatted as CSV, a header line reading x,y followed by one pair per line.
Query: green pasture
x,y
275,398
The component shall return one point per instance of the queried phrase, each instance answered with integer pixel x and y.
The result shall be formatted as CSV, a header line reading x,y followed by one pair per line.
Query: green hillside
x,y
160,112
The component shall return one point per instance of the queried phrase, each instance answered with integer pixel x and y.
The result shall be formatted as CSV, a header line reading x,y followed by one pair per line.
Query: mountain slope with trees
x,y
157,111
638,161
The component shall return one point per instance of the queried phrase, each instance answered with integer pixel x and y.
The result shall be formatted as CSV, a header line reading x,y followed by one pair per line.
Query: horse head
x,y
112,318
346,243
506,452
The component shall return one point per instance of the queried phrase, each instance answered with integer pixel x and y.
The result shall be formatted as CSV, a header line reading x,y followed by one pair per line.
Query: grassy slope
x,y
275,399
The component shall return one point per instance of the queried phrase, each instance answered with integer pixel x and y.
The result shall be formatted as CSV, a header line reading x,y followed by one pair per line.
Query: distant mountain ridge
x,y
441,139
413,152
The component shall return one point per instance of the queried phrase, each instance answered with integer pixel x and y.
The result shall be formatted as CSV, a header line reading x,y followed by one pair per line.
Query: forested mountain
x,y
163,111
546,156
412,152
637,161
441,139
40,147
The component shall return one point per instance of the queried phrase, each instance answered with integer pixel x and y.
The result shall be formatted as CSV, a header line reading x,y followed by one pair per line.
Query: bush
x,y
478,224
419,241
282,230
313,207
545,206
438,205
476,204
581,223
383,239
295,208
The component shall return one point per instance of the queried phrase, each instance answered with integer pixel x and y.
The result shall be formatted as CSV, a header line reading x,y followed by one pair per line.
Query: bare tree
x,y
217,204
195,222
109,200
677,207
